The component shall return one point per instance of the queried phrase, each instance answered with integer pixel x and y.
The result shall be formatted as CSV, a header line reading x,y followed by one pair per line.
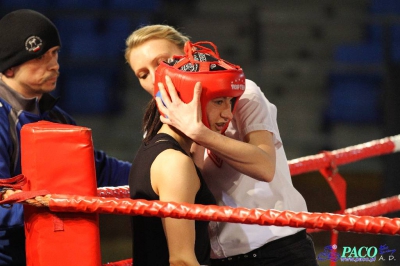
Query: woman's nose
x,y
227,113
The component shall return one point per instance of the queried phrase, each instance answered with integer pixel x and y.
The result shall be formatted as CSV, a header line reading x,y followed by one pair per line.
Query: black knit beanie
x,y
24,35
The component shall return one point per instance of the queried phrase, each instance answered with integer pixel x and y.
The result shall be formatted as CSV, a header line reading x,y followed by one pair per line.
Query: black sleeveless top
x,y
149,242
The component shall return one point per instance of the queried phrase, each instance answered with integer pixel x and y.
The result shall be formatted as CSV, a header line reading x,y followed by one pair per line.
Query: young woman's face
x,y
219,113
145,58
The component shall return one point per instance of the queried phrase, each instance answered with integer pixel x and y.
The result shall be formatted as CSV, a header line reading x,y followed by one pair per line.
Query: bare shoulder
x,y
174,171
171,159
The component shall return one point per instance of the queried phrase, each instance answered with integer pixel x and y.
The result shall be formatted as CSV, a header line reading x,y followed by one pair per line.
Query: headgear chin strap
x,y
218,77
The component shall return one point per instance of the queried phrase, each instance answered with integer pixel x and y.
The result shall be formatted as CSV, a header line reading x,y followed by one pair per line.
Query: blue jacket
x,y
16,111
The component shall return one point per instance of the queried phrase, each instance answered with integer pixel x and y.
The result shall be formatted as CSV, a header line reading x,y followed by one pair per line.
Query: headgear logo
x,y
33,44
354,254
237,86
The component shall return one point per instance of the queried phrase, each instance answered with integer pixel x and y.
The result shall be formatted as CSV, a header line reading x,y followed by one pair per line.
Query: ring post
x,y
59,158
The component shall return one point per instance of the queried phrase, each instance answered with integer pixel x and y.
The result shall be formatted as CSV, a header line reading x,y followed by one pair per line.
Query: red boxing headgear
x,y
218,77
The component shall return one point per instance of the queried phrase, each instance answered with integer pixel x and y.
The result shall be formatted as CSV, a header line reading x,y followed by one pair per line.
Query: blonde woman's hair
x,y
156,31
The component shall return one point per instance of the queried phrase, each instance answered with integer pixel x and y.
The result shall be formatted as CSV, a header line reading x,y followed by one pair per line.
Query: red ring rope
x,y
354,219
325,221
345,155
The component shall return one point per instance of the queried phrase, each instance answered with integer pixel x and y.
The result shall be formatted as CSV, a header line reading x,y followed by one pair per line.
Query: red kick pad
x,y
59,158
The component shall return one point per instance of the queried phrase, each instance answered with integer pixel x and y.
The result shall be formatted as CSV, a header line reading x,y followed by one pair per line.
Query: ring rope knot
x,y
332,168
335,180
12,183
36,198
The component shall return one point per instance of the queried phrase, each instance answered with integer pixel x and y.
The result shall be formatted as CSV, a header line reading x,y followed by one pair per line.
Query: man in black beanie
x,y
29,46
25,35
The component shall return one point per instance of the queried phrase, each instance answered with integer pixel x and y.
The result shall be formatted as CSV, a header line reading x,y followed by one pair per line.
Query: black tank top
x,y
149,242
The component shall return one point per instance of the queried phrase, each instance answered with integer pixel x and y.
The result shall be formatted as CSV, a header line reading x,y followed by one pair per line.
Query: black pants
x,y
293,250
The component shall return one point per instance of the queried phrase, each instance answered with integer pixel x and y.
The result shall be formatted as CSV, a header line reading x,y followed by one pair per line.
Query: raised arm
x,y
174,178
254,156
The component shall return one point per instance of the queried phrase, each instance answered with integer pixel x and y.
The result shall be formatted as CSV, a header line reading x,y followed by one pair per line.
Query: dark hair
x,y
151,121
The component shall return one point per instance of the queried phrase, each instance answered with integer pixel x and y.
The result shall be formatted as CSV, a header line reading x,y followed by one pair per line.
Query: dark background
x,y
330,66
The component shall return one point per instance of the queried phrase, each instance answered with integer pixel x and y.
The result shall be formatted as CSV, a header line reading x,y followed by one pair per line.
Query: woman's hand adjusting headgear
x,y
218,78
177,113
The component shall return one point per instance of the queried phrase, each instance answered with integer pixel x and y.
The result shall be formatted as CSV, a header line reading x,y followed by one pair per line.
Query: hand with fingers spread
x,y
186,117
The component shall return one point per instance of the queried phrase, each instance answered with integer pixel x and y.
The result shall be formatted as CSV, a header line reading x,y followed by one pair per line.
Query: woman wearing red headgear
x,y
244,167
163,168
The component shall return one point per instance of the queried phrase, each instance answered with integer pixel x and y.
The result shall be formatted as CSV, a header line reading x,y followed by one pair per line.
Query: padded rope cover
x,y
60,159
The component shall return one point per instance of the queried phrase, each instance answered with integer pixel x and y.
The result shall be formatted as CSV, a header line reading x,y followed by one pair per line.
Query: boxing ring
x,y
62,204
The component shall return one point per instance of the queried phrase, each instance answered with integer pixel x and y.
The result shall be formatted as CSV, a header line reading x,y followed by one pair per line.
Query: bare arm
x,y
174,178
255,156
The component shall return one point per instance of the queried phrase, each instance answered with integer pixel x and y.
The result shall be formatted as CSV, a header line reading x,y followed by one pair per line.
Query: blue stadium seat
x,y
374,32
360,53
139,5
93,90
354,98
376,35
75,24
115,34
385,7
17,4
87,46
74,4
69,27
395,35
